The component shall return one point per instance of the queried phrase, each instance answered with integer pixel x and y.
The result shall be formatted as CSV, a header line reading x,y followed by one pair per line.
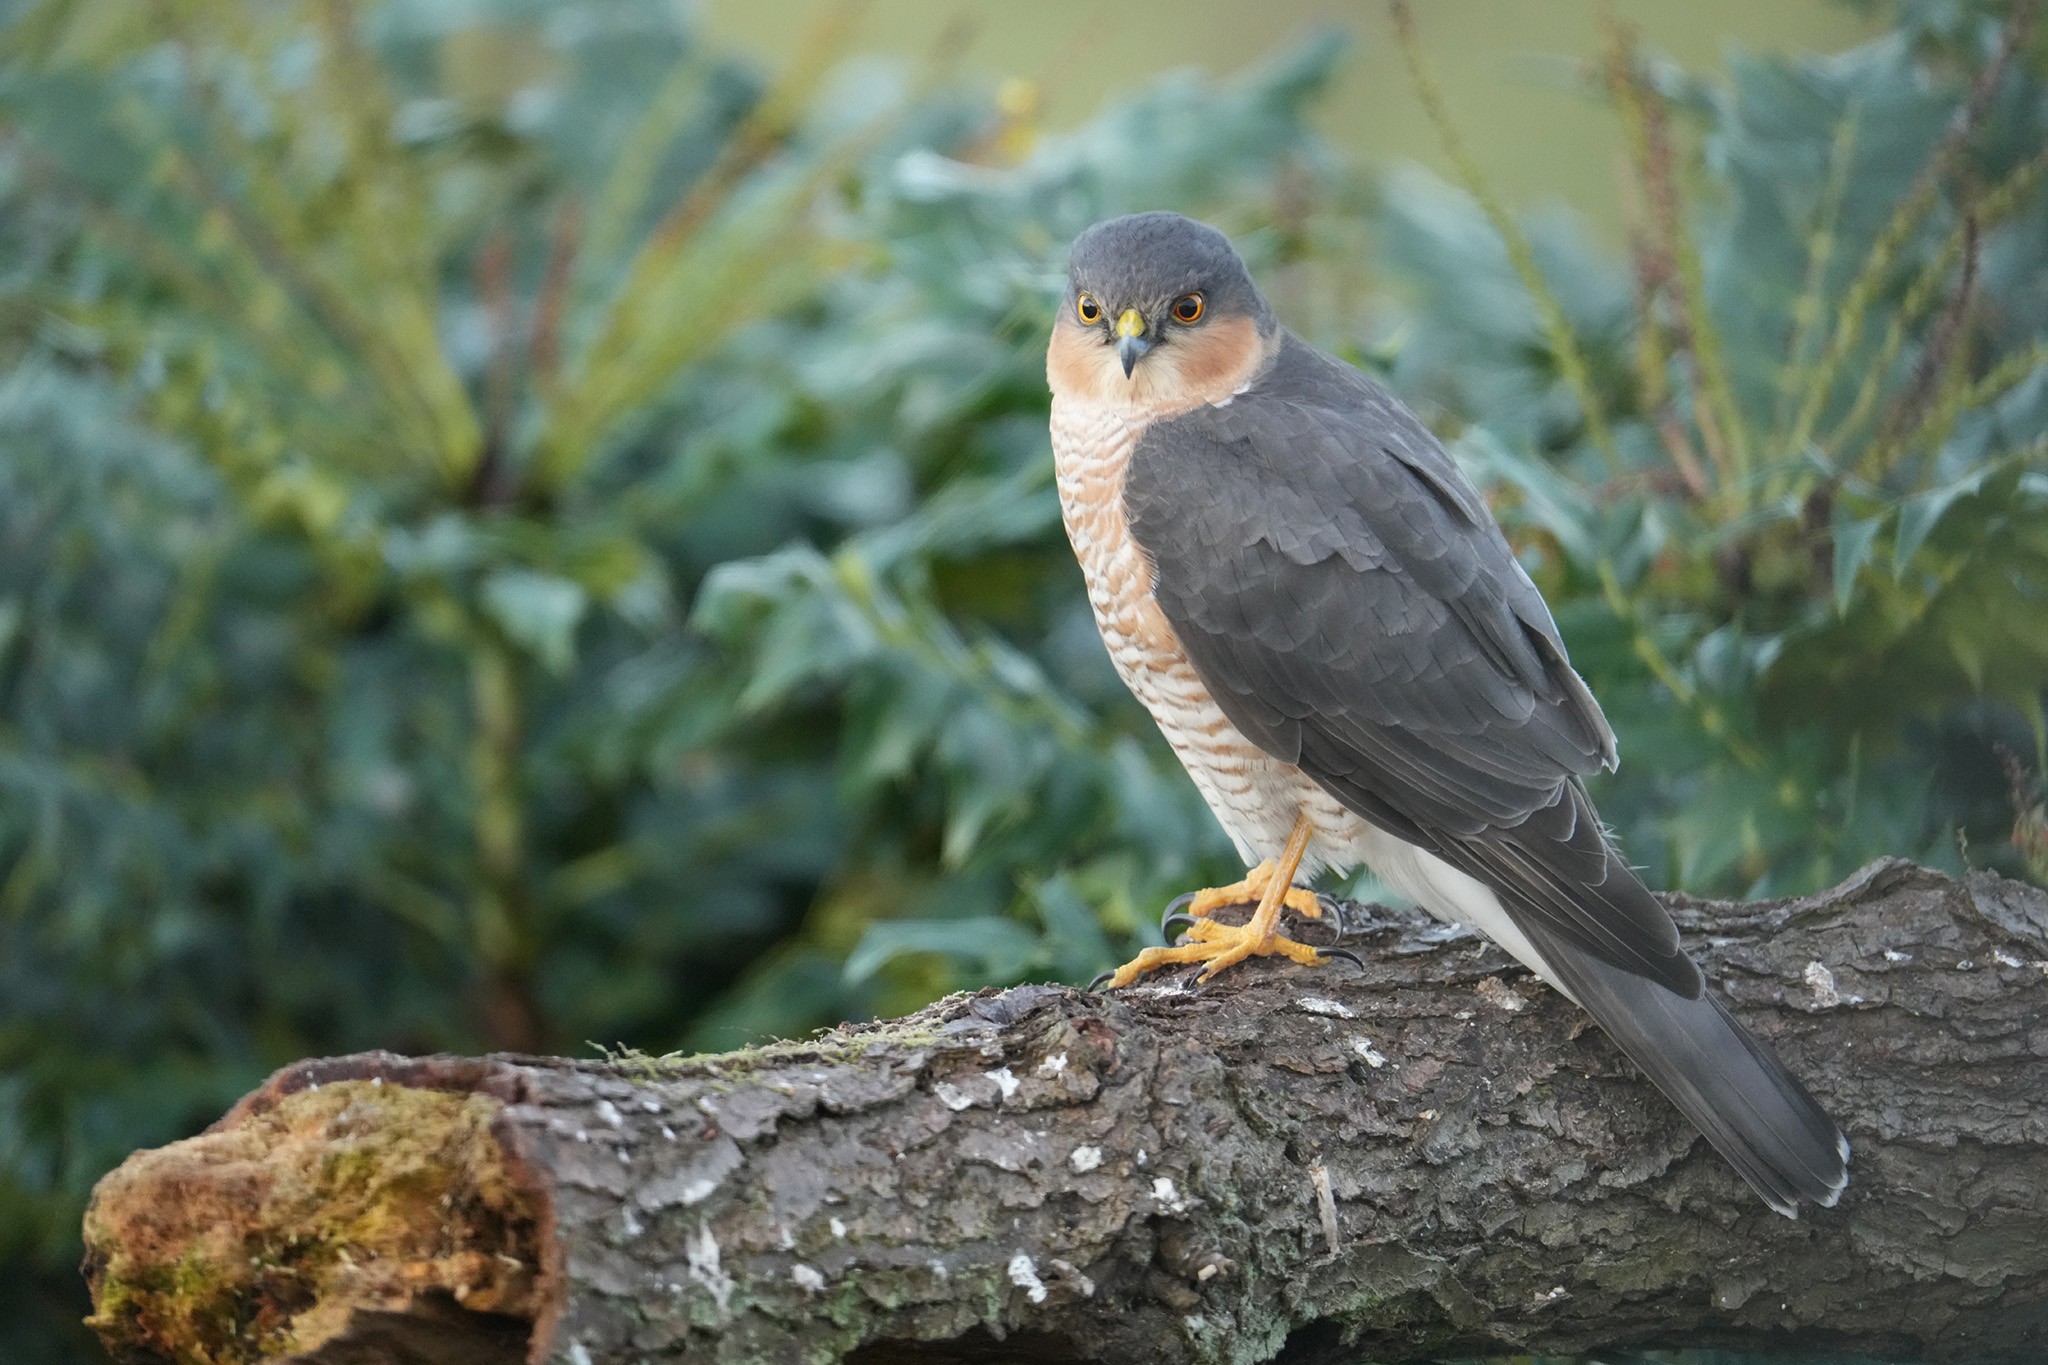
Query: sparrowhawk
x,y
1321,613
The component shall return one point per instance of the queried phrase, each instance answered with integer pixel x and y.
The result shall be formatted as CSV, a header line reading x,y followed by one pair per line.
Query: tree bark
x,y
1435,1157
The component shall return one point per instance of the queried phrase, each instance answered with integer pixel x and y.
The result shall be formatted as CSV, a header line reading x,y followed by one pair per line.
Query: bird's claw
x,y
1174,923
1333,916
1353,958
1174,907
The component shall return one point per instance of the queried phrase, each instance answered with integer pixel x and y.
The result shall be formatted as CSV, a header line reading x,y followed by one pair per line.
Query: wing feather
x,y
1351,605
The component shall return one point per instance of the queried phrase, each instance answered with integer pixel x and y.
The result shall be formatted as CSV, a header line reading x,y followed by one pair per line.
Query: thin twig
x,y
1557,327
492,482
1820,251
1969,397
1987,211
1910,213
544,352
764,131
1912,402
1716,412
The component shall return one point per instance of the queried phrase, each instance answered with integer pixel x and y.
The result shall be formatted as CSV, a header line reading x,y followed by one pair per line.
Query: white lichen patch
x,y
2005,959
1167,1196
629,1223
1329,1009
1005,1082
1085,1159
838,1229
579,1354
1195,1323
668,1134
696,1192
1894,955
1500,995
1052,1066
1821,982
952,1096
807,1278
701,1251
1367,1053
608,1114
1024,1275
1068,1271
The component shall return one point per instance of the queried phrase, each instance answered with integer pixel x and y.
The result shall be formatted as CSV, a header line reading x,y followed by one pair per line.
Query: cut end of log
x,y
305,1228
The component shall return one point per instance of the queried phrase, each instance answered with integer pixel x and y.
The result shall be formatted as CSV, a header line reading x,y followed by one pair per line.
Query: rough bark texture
x,y
1434,1157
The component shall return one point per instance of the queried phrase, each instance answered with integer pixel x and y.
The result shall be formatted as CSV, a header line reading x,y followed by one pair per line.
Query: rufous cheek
x,y
1191,366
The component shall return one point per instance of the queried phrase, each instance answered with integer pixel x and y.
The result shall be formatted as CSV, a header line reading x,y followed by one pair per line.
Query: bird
x,y
1319,610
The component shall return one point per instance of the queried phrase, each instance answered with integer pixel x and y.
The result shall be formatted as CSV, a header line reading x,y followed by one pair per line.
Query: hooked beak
x,y
1130,339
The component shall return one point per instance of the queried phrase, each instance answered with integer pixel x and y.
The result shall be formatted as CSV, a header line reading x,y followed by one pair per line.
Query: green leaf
x,y
996,949
1853,542
1919,514
1549,501
1073,933
539,612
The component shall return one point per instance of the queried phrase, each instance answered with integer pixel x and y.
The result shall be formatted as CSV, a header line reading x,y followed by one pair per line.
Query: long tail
x,y
1754,1111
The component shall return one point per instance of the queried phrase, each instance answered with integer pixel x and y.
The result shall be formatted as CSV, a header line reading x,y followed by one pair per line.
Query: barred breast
x,y
1254,795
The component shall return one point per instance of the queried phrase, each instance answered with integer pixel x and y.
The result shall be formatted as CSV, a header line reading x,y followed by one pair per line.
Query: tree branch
x,y
1438,1157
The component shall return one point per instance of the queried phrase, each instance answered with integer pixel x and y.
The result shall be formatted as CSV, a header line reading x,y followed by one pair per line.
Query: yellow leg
x,y
1225,945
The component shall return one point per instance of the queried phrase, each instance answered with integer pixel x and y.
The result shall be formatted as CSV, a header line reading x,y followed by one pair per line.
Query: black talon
x,y
1332,917
1174,907
1096,984
1333,911
1353,958
1167,925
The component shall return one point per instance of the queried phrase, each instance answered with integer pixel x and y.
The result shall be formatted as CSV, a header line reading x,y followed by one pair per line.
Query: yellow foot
x,y
1219,945
1251,891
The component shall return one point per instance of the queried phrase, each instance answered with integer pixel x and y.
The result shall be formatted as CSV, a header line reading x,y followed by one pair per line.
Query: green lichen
x,y
849,1046
256,1241
197,1299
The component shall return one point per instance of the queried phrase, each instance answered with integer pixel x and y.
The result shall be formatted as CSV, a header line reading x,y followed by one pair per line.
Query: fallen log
x,y
1437,1156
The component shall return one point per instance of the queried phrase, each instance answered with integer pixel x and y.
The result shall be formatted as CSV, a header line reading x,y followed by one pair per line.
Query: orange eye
x,y
1188,308
1088,309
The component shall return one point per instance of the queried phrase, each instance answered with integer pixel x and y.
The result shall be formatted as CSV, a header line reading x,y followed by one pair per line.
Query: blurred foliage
x,y
1781,472
379,387
514,533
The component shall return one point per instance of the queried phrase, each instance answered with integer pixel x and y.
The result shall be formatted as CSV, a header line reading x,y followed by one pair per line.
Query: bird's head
x,y
1159,309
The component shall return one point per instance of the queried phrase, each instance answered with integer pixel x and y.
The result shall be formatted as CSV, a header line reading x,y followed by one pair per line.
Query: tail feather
x,y
1753,1110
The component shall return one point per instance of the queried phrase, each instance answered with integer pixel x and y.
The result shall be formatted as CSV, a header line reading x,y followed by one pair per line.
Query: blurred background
x,y
530,525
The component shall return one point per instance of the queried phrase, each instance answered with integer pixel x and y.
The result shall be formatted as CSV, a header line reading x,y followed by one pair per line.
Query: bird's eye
x,y
1188,308
1088,309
